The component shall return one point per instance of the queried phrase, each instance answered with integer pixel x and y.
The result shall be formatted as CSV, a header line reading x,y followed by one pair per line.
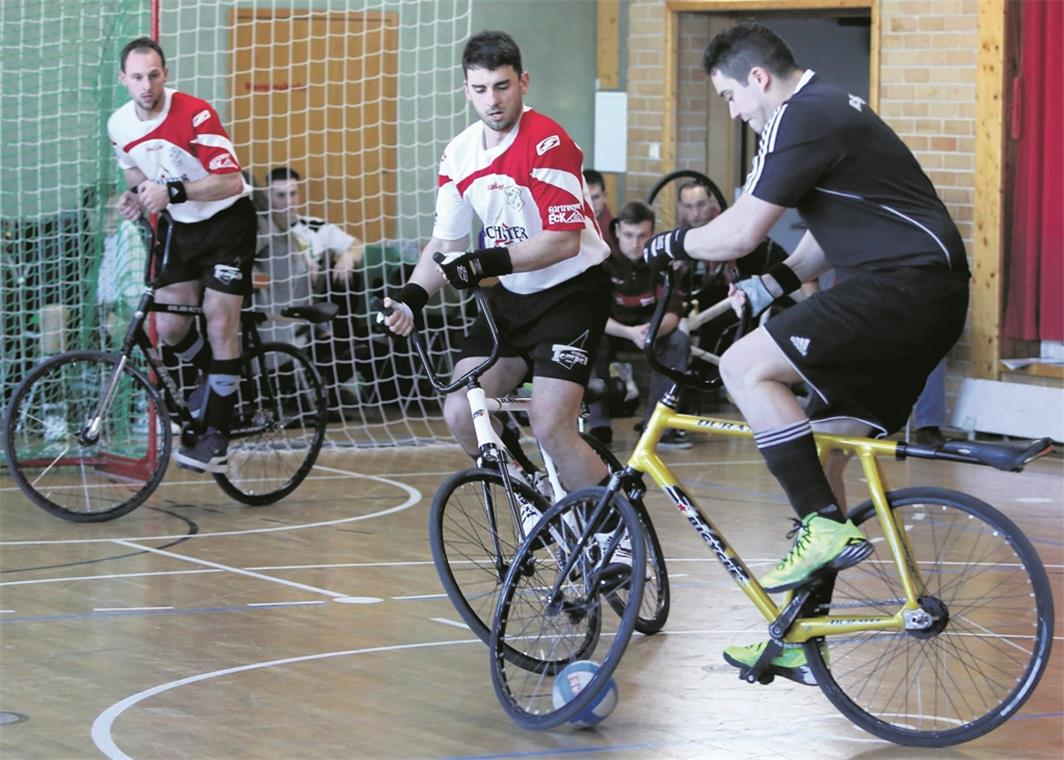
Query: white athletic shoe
x,y
622,553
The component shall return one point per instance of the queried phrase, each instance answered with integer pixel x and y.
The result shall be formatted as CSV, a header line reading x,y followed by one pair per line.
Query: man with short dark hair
x,y
302,259
695,204
863,347
178,161
600,203
521,174
634,294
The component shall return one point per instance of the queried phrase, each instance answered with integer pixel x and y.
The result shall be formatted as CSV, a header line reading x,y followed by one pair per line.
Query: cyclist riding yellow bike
x,y
865,346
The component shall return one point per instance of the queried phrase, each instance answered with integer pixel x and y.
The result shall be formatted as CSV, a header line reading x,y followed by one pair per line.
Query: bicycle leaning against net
x,y
936,638
88,436
480,515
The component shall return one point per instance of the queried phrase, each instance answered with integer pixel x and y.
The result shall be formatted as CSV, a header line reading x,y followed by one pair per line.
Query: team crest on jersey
x,y
226,274
201,117
547,143
222,161
566,213
570,355
513,198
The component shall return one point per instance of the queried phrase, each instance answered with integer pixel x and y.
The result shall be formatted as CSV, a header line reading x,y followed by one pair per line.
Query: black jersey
x,y
854,182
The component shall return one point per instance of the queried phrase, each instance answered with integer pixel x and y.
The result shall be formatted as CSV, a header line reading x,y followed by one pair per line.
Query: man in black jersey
x,y
865,346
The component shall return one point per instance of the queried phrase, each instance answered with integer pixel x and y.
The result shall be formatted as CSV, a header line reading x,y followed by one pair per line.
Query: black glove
x,y
665,248
465,270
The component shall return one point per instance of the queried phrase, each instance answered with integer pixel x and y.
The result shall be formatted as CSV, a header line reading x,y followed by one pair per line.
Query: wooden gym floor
x,y
316,628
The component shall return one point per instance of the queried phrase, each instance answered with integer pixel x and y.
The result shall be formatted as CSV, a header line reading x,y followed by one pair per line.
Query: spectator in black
x,y
635,292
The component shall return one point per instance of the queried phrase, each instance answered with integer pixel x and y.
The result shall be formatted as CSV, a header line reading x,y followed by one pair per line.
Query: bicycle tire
x,y
688,174
460,536
278,425
991,647
656,602
61,473
535,634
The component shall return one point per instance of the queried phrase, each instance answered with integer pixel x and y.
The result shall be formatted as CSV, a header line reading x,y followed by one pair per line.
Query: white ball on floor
x,y
573,678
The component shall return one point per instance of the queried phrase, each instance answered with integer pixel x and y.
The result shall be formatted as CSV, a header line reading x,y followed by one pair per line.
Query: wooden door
x,y
316,91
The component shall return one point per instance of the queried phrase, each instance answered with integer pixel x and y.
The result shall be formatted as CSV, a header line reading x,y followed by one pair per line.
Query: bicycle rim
x,y
967,674
474,533
52,461
536,633
278,426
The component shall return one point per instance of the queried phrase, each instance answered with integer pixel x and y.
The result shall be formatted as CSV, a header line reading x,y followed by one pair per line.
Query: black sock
x,y
193,349
223,382
790,453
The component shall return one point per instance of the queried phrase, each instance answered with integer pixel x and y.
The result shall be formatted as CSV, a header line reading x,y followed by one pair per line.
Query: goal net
x,y
357,97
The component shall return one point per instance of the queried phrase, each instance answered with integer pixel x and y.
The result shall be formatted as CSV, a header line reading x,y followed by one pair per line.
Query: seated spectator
x,y
600,204
301,259
635,294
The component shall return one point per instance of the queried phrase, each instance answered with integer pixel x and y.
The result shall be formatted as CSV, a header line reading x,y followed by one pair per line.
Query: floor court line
x,y
230,569
414,496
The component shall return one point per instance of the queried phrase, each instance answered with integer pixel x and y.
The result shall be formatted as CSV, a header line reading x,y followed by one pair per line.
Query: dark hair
x,y
142,44
735,51
281,173
687,184
635,212
491,50
594,177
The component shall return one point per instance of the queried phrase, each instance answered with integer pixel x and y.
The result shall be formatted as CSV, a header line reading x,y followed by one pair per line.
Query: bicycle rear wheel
x,y
978,662
55,459
550,608
654,608
278,426
474,532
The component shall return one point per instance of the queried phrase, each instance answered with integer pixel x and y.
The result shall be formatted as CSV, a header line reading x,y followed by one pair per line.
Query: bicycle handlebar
x,y
418,342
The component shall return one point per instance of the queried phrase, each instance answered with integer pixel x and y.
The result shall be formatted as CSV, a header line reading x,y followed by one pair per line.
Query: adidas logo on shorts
x,y
802,344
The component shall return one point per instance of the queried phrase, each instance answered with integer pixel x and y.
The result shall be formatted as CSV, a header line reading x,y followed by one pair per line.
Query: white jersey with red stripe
x,y
532,181
185,141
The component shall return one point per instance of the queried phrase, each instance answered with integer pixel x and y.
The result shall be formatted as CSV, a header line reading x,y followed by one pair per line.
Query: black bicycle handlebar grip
x,y
744,320
377,305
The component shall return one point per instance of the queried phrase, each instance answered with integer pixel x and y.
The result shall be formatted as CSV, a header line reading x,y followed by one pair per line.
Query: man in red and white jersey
x,y
178,161
522,175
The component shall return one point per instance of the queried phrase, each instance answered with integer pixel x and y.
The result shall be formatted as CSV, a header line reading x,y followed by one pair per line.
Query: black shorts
x,y
219,251
866,345
556,331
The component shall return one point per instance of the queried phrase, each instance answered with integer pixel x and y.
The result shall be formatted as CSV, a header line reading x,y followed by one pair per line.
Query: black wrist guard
x,y
785,277
491,262
176,189
414,296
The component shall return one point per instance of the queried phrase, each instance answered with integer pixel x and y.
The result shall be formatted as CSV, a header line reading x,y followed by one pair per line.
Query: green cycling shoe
x,y
790,663
819,543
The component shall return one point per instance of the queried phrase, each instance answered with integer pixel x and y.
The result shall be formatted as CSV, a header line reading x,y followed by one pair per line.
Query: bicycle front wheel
x,y
979,660
73,461
474,532
550,608
654,607
278,426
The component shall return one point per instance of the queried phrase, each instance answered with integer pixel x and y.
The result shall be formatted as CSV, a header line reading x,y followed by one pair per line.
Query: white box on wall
x,y
611,132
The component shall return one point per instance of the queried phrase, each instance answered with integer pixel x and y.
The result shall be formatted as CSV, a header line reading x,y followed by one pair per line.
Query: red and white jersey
x,y
185,141
531,182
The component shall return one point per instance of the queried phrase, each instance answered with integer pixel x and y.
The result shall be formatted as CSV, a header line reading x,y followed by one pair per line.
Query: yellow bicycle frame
x,y
644,459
